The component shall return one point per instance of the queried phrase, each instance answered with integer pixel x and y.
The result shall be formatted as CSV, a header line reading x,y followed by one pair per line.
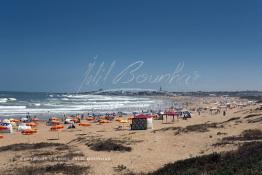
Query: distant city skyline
x,y
50,46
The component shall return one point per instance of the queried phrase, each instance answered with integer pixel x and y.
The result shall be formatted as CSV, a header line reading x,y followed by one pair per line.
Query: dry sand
x,y
151,149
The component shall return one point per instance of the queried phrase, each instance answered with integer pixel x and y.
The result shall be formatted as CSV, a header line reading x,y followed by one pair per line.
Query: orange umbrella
x,y
1,136
123,121
90,118
84,124
31,124
15,120
57,128
29,131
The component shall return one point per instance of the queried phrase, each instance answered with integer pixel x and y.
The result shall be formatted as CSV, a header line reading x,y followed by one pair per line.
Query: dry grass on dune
x,y
246,160
62,168
42,158
26,146
246,135
192,128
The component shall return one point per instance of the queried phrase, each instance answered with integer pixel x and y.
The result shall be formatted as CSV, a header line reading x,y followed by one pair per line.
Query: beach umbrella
x,y
3,127
102,122
1,136
90,118
32,124
29,132
56,128
14,120
84,124
123,122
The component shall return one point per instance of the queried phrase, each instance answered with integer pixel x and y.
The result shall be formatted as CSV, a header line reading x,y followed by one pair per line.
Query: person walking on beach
x,y
224,113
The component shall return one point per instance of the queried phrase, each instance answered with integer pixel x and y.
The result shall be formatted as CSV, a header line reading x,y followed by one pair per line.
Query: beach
x,y
148,150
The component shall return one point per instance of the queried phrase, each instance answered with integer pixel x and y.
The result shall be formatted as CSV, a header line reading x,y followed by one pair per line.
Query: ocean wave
x,y
74,103
5,100
37,104
12,107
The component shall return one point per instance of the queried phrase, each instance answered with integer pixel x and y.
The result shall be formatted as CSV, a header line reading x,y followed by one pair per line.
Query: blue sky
x,y
47,45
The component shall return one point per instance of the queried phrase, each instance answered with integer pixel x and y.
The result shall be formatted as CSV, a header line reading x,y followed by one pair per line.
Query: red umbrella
x,y
144,116
3,128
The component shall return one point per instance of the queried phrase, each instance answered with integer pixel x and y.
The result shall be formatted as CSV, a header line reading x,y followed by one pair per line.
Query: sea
x,y
18,104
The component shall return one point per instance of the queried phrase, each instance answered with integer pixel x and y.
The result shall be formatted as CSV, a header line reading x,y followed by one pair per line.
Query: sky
x,y
183,45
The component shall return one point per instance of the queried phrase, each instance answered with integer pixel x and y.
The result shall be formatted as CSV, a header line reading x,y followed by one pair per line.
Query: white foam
x,y
12,107
11,99
3,100
74,103
37,104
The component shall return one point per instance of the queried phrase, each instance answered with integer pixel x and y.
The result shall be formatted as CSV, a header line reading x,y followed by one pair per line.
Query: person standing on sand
x,y
224,113
199,112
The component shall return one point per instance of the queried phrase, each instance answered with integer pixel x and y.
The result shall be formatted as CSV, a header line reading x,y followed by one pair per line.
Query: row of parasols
x,y
56,124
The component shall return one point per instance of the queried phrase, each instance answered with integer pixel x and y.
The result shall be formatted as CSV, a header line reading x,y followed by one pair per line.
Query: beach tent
x,y
169,113
6,128
147,118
